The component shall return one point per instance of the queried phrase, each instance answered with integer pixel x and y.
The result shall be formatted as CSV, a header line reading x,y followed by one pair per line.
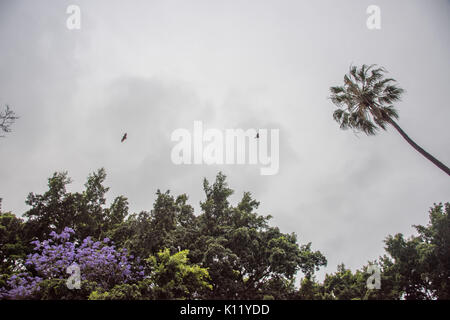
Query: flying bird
x,y
124,137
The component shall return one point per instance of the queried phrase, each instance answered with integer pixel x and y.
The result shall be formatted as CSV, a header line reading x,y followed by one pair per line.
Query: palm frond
x,y
366,99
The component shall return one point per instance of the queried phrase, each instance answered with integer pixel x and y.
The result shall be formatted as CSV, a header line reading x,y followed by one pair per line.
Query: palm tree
x,y
365,103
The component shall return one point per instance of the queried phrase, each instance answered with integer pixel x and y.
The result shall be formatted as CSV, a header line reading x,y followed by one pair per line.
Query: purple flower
x,y
97,261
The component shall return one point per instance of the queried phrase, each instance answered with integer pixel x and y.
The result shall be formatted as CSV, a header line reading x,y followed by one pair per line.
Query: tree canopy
x,y
225,251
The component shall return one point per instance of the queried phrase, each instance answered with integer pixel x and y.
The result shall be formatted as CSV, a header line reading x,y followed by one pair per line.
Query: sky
x,y
150,67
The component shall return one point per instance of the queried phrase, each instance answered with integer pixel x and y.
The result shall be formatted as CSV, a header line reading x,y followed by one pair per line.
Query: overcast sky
x,y
150,67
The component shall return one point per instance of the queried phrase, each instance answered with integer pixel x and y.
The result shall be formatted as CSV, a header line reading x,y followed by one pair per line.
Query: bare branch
x,y
7,118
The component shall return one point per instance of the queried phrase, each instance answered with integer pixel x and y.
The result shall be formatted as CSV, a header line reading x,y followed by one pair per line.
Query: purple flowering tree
x,y
21,286
98,261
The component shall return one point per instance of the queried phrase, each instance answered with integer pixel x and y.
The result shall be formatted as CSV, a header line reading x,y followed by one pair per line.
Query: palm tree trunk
x,y
439,164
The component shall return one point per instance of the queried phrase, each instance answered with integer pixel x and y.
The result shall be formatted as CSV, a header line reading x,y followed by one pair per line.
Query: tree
x,y
7,118
13,248
174,277
246,258
345,285
419,267
226,252
170,224
365,103
169,276
84,212
99,262
310,289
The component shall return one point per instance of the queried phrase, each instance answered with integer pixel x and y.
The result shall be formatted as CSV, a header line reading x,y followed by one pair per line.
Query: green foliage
x,y
84,212
241,251
344,285
56,289
310,289
225,252
13,248
170,224
419,267
174,278
119,292
171,277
